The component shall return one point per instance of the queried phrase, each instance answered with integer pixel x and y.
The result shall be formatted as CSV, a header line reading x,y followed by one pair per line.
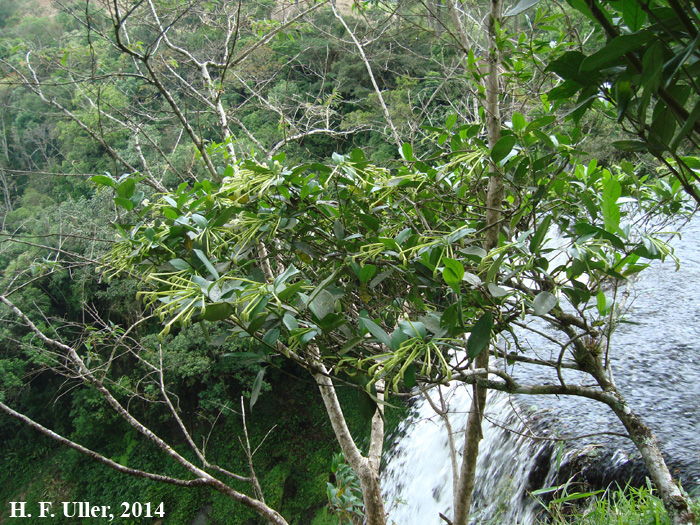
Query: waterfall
x,y
655,355
417,482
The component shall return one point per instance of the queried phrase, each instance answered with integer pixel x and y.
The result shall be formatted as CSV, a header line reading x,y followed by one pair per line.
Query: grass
x,y
621,506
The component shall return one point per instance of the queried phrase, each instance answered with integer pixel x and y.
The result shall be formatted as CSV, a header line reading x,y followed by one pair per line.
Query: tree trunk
x,y
494,198
366,468
675,502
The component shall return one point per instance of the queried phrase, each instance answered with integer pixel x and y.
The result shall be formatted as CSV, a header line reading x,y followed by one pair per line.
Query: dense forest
x,y
238,238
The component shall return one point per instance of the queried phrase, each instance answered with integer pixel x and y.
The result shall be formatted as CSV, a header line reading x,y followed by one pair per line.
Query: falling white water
x,y
417,482
658,363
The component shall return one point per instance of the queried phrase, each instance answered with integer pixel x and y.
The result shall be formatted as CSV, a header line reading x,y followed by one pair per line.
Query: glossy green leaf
x,y
126,189
103,180
452,273
199,220
602,303
519,122
540,234
290,322
350,344
323,304
367,272
413,329
377,331
181,265
217,311
652,66
289,291
568,67
409,376
271,337
480,335
257,386
497,291
124,203
407,151
630,145
611,210
502,148
281,279
613,51
633,15
623,96
207,263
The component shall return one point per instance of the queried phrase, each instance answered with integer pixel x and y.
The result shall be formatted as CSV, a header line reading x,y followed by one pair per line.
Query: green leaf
x,y
672,66
480,335
181,265
338,230
170,213
519,122
367,272
544,302
602,303
623,96
409,376
103,180
630,145
496,290
633,15
413,329
609,55
199,220
652,66
323,304
407,151
305,248
568,67
126,189
257,385
124,203
289,291
290,322
290,272
540,233
207,263
350,344
271,337
663,125
452,273
397,338
502,148
611,210
583,229
323,284
379,278
256,323
217,311
377,331
687,126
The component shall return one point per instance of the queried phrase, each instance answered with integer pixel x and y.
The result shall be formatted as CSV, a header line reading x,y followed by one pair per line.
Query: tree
x,y
385,278
646,69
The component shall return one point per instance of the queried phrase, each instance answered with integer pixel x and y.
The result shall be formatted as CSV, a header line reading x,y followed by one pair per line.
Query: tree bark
x,y
366,468
675,502
473,434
